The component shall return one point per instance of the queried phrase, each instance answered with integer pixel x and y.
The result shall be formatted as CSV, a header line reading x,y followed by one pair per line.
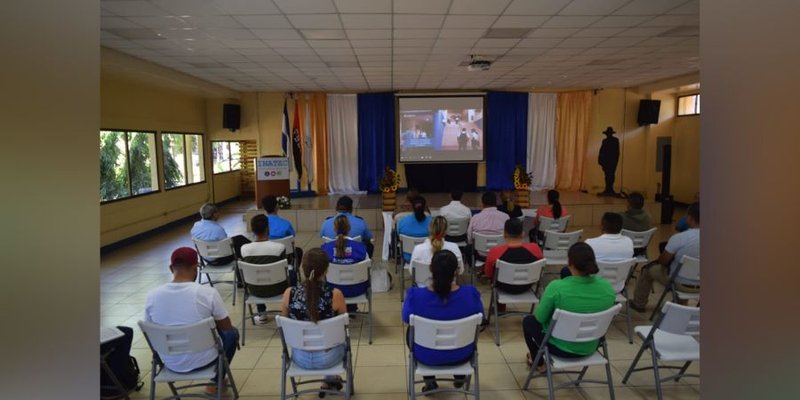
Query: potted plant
x,y
284,202
388,185
522,180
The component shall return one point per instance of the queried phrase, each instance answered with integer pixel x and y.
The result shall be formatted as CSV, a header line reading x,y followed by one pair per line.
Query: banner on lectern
x,y
272,168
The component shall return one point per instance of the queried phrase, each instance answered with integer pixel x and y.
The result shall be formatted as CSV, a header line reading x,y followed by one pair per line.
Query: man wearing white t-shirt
x,y
183,301
610,246
262,251
455,210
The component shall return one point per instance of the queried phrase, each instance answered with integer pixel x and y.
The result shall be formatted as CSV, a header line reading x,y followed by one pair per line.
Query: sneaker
x,y
429,386
261,319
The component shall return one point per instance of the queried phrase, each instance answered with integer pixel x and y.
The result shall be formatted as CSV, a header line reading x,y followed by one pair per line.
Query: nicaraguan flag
x,y
285,134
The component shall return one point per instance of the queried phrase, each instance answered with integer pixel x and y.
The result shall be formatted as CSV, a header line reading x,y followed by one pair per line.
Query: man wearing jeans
x,y
182,302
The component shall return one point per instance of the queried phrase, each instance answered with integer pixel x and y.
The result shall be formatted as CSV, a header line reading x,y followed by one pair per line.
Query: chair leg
x,y
283,382
635,361
608,371
536,358
628,318
477,380
153,378
580,376
369,299
172,388
658,304
682,371
412,392
551,391
244,319
402,281
656,374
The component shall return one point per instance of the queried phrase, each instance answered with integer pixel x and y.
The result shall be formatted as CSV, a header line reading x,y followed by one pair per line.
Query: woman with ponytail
x,y
314,300
414,225
553,209
435,242
442,300
508,206
582,292
345,251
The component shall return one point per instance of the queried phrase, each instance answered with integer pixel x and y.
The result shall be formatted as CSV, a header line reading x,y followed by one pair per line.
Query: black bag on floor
x,y
122,364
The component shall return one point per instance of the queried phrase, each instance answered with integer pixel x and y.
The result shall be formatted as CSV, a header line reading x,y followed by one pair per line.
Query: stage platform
x,y
308,213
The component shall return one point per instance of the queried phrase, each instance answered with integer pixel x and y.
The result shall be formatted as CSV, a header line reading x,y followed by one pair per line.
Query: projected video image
x,y
441,135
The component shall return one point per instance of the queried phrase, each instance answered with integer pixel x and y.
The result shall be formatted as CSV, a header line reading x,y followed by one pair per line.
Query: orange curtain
x,y
573,114
318,108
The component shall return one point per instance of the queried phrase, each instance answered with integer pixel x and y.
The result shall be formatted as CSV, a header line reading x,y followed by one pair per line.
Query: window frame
x,y
696,104
185,158
230,158
156,141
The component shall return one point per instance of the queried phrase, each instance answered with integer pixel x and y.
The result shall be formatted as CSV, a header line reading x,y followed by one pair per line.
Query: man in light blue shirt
x,y
358,227
209,230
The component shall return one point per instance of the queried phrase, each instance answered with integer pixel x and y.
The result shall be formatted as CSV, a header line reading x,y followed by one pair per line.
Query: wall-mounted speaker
x,y
648,112
230,116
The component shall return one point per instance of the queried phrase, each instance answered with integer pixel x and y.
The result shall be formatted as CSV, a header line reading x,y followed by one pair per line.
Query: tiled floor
x,y
380,369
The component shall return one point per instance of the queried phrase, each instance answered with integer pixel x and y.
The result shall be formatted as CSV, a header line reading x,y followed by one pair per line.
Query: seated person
x,y
183,301
345,251
515,251
262,251
415,225
635,218
280,228
442,300
344,206
435,242
610,246
679,245
314,300
553,209
507,204
581,292
407,207
489,221
209,230
456,210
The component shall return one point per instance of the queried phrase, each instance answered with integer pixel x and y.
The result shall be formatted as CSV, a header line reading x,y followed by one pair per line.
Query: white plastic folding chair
x,y
640,241
288,243
670,339
552,224
617,273
458,227
481,244
517,275
309,336
574,327
261,275
556,245
687,271
407,244
326,239
420,273
181,340
444,335
215,250
354,274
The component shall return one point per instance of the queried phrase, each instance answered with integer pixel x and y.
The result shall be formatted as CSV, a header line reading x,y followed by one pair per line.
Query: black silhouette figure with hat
x,y
608,159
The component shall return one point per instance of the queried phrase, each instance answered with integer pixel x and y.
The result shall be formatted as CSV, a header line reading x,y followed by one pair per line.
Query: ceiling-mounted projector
x,y
478,65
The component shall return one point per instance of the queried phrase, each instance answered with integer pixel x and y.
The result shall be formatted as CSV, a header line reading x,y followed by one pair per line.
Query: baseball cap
x,y
184,257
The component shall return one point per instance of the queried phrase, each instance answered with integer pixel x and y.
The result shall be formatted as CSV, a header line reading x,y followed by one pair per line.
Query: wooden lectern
x,y
272,177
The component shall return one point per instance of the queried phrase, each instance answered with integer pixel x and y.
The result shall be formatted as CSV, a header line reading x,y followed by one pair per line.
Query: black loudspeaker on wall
x,y
230,116
648,112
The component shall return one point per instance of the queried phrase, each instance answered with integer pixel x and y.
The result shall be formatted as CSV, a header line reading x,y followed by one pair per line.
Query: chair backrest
x,y
309,336
640,239
264,274
408,242
616,272
690,268
287,241
680,320
457,226
561,241
355,239
421,272
575,327
400,216
552,224
218,249
483,242
445,335
519,274
349,274
180,339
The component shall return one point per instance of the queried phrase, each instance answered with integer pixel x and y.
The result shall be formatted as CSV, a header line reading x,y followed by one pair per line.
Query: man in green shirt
x,y
583,292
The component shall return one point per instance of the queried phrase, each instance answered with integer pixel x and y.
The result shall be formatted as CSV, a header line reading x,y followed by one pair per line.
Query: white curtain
x,y
542,139
342,143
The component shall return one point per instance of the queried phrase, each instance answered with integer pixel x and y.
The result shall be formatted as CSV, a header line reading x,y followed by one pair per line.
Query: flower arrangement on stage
x,y
284,202
390,181
522,179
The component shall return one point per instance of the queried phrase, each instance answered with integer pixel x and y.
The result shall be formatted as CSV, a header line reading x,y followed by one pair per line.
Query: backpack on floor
x,y
128,375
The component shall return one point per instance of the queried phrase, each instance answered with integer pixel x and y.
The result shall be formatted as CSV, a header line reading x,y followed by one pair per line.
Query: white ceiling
x,y
360,45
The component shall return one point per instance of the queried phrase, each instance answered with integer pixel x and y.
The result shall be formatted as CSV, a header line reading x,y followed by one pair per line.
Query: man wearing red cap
x,y
183,301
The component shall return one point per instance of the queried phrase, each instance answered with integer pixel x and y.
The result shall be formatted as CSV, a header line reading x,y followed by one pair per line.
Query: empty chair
x,y
457,227
350,275
556,245
407,244
575,327
553,224
262,277
420,273
288,242
182,340
670,339
481,244
617,273
444,335
516,275
215,250
309,336
640,242
687,273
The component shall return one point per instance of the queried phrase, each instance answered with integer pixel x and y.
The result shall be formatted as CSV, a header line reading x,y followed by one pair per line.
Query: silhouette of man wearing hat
x,y
608,159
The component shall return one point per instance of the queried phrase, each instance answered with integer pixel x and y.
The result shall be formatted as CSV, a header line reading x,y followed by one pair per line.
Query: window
x,y
183,159
127,164
689,105
226,156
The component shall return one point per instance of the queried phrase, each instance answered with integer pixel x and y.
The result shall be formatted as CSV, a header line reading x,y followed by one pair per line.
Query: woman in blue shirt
x,y
346,252
442,300
415,225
